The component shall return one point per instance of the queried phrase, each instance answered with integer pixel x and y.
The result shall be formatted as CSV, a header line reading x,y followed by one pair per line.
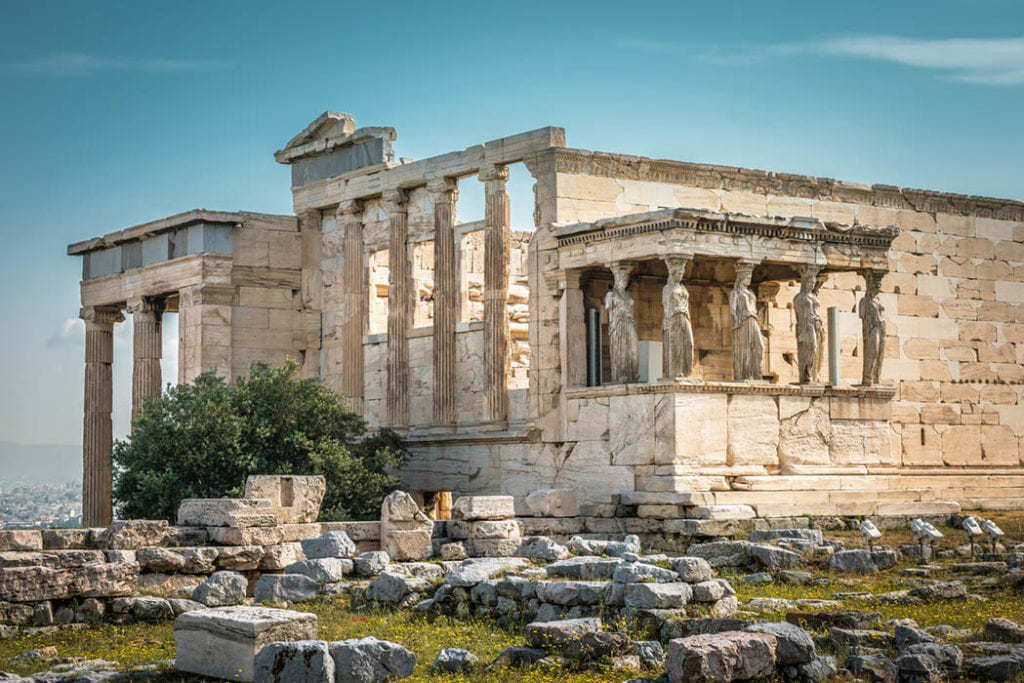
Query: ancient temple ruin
x,y
667,339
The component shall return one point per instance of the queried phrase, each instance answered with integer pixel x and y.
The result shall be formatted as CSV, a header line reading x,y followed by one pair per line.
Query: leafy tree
x,y
202,440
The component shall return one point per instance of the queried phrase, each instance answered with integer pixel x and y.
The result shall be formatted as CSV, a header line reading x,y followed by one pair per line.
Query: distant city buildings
x,y
24,504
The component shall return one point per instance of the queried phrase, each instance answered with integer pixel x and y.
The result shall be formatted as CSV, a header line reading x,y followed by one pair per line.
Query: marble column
x,y
623,342
354,303
872,316
497,238
97,427
809,339
444,192
573,337
147,349
747,340
399,308
677,330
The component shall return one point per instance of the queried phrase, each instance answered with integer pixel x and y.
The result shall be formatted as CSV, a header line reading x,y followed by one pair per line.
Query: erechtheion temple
x,y
667,337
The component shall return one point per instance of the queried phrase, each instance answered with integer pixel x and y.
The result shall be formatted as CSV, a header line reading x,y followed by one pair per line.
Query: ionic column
x,y
355,291
808,325
677,330
444,192
147,349
399,309
623,341
872,316
97,427
497,237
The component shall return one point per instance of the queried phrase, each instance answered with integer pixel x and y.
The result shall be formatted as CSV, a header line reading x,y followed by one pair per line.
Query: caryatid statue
x,y
872,317
809,337
677,332
819,360
622,335
747,341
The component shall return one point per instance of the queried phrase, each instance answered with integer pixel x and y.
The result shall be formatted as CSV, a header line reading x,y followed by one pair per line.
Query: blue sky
x,y
118,113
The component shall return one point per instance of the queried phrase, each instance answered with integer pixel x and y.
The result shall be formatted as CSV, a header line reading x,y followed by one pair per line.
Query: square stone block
x,y
295,499
223,642
232,512
753,430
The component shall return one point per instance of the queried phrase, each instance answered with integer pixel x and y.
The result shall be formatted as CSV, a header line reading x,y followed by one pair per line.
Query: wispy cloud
x,y
987,61
74,64
983,61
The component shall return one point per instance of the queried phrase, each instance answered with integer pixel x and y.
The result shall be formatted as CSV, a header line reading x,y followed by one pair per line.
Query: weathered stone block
x,y
133,534
230,512
302,661
472,508
753,430
223,642
552,503
295,499
728,656
28,539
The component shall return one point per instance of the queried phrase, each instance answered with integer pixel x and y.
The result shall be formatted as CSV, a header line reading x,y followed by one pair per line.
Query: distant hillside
x,y
45,463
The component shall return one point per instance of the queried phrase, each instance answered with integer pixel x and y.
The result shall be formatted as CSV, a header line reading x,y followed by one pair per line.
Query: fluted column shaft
x,y
497,237
354,304
97,427
147,349
444,192
399,309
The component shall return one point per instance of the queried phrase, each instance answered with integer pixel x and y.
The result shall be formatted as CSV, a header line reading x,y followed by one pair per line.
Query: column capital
x,y
144,304
101,315
443,185
492,173
873,278
395,200
309,215
349,209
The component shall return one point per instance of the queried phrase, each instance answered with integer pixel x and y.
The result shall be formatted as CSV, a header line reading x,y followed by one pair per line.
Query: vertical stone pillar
x,y
497,237
97,427
573,333
808,325
444,192
355,293
399,309
622,335
677,330
747,340
147,349
872,316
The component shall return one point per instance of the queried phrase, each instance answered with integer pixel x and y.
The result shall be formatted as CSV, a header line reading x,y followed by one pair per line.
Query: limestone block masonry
x,y
656,331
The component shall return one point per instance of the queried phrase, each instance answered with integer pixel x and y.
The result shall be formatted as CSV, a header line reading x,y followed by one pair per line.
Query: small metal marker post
x,y
833,346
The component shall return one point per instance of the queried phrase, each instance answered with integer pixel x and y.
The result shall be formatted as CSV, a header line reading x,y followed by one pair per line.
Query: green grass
x,y
142,643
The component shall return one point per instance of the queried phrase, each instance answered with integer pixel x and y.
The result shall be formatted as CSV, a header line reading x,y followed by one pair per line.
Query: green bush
x,y
202,440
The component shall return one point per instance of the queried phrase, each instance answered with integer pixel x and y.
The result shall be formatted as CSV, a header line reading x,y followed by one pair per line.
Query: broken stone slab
x,y
223,642
585,567
169,585
556,635
294,499
323,569
221,589
543,549
32,584
369,660
855,637
256,535
691,569
552,503
657,595
277,557
847,619
572,593
54,559
300,661
860,561
994,668
722,553
66,539
634,572
392,588
140,609
229,512
795,645
285,588
21,539
454,660
371,563
472,508
474,570
727,656
133,534
1002,630
405,531
771,557
721,512
330,545
240,558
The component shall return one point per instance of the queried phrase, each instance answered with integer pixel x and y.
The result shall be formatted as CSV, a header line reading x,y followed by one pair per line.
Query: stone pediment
x,y
335,131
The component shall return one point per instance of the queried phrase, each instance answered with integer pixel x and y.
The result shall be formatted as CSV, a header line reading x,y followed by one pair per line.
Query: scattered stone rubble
x,y
566,593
